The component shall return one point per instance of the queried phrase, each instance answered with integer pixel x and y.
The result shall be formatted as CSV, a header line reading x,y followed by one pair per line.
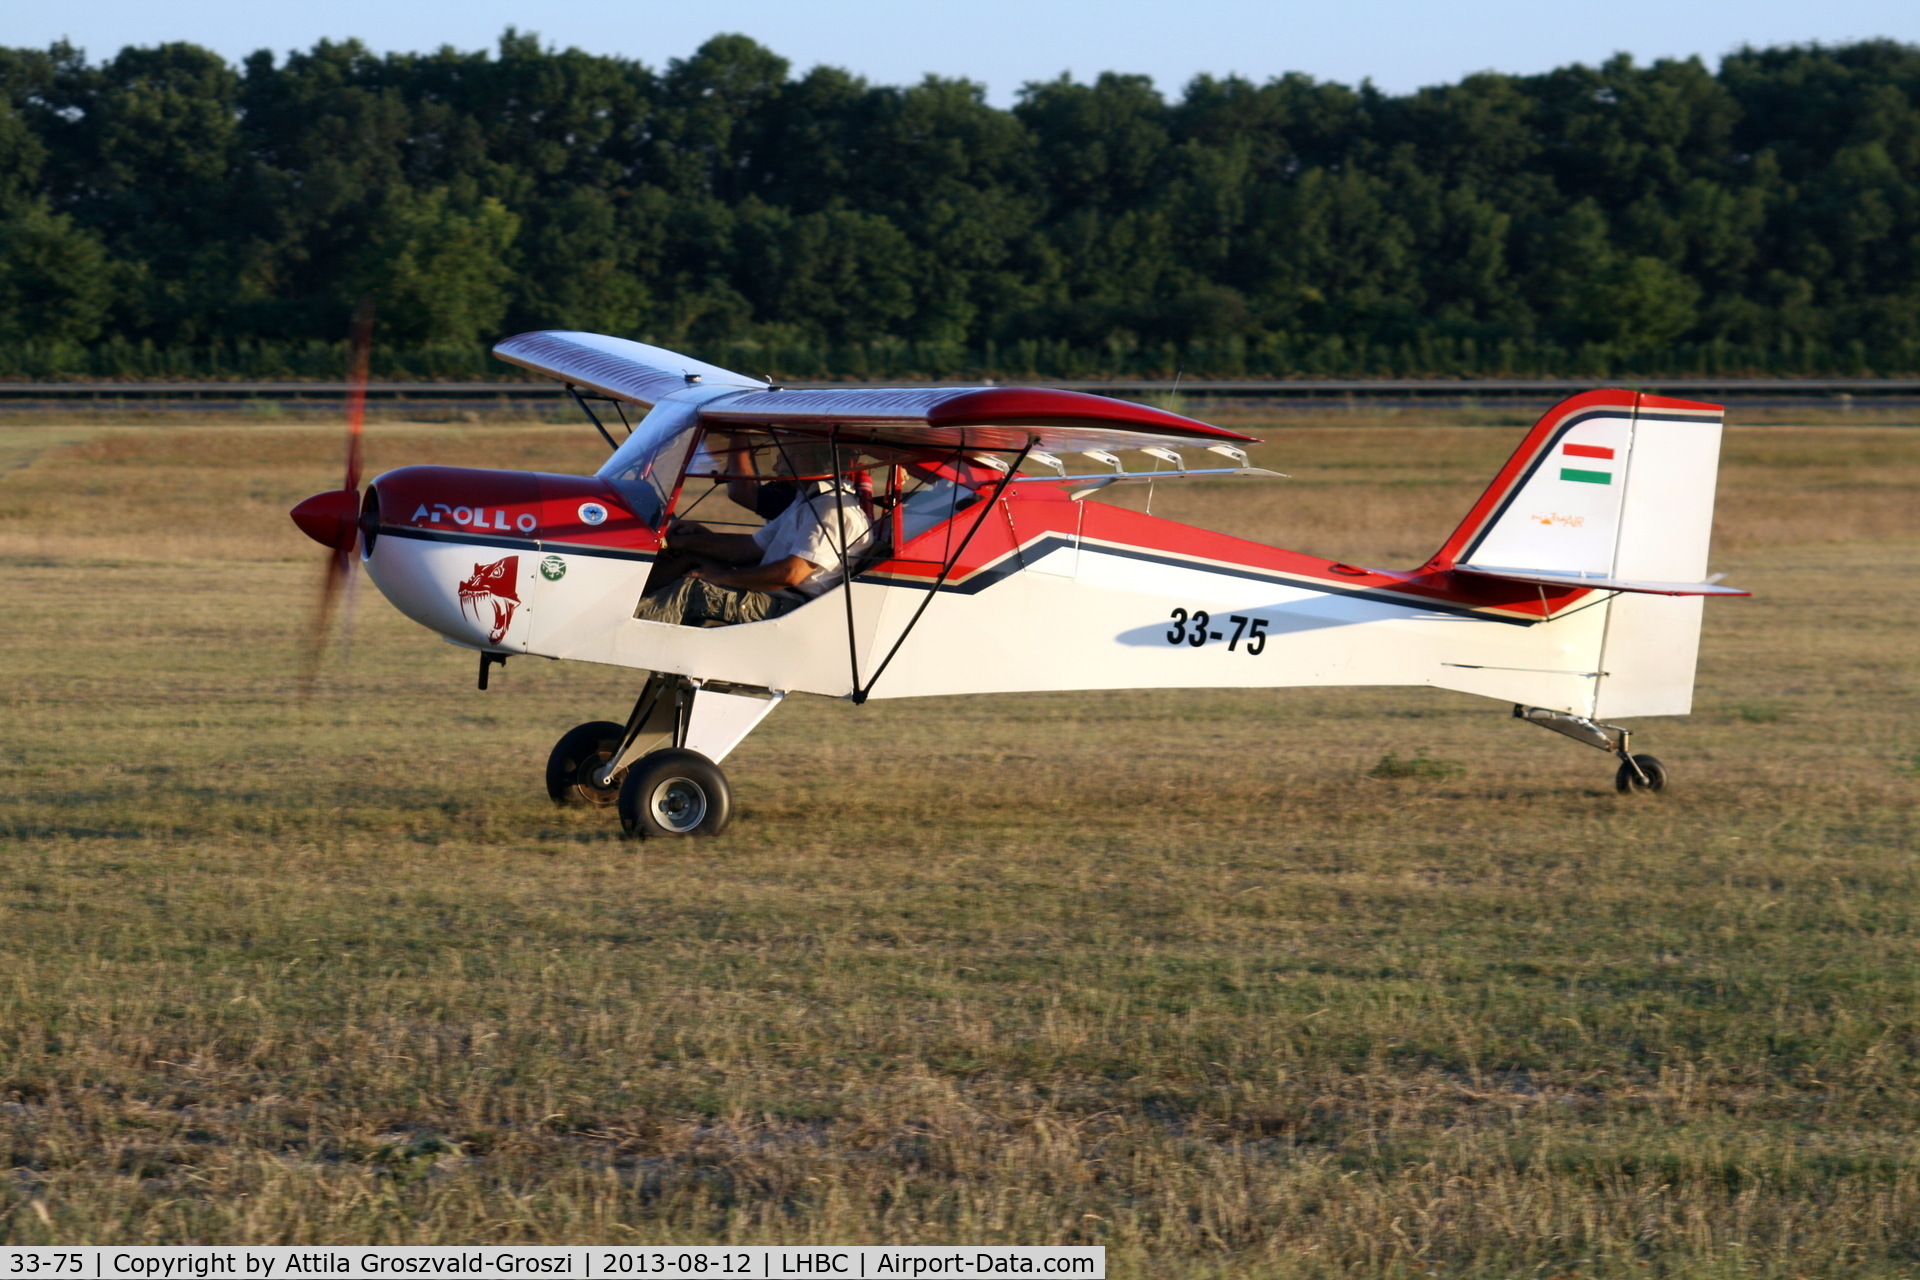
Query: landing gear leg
x,y
658,716
662,768
1636,772
587,764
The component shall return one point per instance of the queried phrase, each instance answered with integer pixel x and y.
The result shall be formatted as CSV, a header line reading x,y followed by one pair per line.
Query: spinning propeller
x,y
332,519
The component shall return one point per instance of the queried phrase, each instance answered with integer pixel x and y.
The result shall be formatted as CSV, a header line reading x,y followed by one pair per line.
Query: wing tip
x,y
1056,406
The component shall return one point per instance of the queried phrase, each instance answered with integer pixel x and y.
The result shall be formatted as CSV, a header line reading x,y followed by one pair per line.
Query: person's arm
x,y
788,572
743,488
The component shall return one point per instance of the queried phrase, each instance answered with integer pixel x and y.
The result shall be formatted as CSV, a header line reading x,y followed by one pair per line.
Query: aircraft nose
x,y
330,518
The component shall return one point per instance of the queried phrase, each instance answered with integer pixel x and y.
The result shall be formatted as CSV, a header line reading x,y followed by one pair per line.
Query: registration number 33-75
x,y
1198,627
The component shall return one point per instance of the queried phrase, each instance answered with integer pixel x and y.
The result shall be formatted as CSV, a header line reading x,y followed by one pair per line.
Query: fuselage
x,y
1050,593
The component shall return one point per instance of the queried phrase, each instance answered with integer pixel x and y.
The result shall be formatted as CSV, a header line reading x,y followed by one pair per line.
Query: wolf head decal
x,y
495,584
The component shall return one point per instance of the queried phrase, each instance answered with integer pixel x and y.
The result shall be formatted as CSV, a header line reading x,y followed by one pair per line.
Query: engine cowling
x,y
536,506
463,551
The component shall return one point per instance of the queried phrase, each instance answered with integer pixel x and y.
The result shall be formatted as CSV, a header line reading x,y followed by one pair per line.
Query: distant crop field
x,y
1198,976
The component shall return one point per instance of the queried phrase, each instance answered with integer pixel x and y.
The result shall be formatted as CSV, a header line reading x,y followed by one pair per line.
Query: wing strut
x,y
593,417
846,563
986,509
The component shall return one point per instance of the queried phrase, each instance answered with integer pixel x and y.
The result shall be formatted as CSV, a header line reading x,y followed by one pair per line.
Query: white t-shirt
x,y
810,529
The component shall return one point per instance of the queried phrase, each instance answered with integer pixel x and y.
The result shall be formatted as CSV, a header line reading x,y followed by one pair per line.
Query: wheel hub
x,y
590,771
679,804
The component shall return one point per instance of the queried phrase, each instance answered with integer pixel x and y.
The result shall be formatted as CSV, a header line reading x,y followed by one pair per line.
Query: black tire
x,y
674,792
579,752
1627,780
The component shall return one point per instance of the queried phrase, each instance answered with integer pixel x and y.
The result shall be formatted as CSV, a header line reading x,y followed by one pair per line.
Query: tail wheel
x,y
580,752
675,792
1628,780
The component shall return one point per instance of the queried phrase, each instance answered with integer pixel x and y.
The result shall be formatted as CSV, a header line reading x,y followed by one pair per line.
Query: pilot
x,y
747,577
766,498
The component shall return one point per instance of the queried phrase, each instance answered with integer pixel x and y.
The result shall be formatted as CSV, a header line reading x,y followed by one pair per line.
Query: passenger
x,y
747,577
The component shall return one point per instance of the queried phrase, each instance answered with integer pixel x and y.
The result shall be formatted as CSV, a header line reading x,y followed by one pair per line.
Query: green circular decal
x,y
553,568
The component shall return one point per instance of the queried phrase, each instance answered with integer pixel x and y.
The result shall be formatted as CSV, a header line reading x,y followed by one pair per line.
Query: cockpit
x,y
690,482
669,467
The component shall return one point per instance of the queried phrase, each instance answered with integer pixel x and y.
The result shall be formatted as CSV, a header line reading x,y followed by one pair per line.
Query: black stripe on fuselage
x,y
1015,561
512,544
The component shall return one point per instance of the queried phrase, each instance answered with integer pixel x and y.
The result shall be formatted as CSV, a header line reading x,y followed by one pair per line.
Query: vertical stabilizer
x,y
1618,487
1556,504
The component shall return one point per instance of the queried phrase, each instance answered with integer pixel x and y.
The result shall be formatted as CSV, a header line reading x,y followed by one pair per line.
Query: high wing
x,y
615,367
968,418
1006,418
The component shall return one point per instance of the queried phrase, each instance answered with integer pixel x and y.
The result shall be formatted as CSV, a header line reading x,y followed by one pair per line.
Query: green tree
x,y
841,274
56,284
577,269
1764,215
437,271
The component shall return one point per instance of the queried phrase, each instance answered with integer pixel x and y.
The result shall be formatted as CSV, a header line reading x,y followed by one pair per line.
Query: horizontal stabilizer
x,y
1594,582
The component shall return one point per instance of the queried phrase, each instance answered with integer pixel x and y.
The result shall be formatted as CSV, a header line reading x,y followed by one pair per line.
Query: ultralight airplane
x,y
963,559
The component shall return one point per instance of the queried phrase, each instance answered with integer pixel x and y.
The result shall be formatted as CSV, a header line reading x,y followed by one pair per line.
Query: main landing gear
x,y
1636,772
661,769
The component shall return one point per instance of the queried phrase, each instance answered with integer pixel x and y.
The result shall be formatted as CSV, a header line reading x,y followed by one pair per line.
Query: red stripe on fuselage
x,y
1586,450
1031,512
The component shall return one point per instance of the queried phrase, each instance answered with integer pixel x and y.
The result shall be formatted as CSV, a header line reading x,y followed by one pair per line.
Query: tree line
x,y
165,213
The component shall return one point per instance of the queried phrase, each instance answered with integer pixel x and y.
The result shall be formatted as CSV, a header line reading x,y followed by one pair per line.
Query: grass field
x,y
1176,973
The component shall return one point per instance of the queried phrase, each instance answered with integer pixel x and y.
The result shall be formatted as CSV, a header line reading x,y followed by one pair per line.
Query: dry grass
x,y
1171,972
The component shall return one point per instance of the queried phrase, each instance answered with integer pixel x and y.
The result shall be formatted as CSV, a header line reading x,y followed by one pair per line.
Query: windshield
x,y
645,469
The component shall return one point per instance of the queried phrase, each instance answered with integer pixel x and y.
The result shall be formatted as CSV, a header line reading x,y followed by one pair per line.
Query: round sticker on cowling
x,y
553,568
592,513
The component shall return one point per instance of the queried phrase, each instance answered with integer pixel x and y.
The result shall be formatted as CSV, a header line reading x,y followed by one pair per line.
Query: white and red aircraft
x,y
1572,590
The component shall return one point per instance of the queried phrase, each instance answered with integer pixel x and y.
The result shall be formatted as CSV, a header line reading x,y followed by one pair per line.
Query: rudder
x,y
1666,523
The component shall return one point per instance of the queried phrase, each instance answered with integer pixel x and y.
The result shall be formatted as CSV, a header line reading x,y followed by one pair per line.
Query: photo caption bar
x,y
571,1262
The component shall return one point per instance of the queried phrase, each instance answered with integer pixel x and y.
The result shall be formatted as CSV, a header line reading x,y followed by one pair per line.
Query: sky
x,y
1399,44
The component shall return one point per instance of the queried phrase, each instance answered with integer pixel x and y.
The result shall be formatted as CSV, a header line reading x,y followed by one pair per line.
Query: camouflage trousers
x,y
692,601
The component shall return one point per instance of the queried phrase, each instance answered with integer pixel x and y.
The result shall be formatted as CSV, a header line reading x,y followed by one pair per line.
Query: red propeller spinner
x,y
331,519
